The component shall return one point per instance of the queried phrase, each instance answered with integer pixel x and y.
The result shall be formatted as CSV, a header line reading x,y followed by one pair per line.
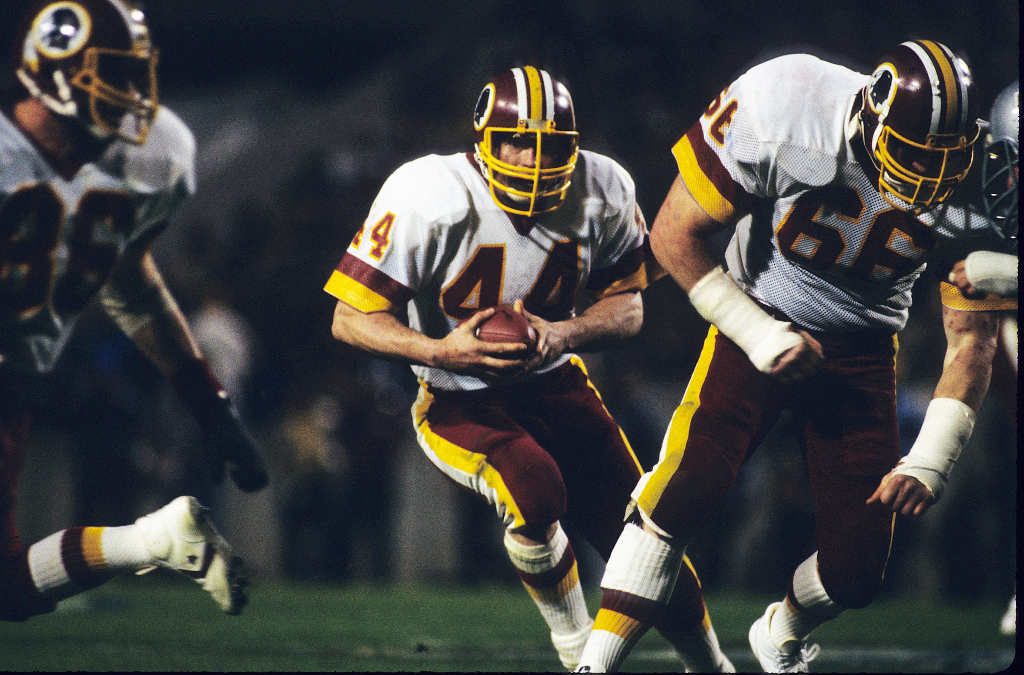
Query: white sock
x,y
638,581
74,560
794,624
550,574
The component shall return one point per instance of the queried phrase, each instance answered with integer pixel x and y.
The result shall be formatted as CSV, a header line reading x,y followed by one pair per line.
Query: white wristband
x,y
947,427
717,298
992,272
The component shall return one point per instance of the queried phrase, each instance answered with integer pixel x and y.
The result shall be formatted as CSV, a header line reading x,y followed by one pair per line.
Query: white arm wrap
x,y
992,272
717,298
945,431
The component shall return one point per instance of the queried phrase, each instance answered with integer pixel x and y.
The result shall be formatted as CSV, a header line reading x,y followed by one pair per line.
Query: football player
x,y
981,309
91,167
845,177
529,218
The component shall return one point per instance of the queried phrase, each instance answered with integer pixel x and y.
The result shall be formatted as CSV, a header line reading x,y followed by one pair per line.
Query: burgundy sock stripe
x,y
552,577
635,607
72,556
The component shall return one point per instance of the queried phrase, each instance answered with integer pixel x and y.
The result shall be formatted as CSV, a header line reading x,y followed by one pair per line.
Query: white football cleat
x,y
773,659
181,537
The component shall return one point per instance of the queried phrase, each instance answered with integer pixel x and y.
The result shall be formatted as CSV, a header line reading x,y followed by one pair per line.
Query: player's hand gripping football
x,y
551,342
463,352
905,494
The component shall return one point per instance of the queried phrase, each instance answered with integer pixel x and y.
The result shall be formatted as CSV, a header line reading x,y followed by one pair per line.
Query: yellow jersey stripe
x,y
954,299
352,292
699,185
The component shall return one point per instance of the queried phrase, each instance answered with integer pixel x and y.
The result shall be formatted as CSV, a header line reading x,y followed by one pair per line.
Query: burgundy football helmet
x,y
919,123
91,60
526,107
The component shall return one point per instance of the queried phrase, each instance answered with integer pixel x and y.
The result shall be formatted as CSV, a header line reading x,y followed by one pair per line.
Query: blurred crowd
x,y
286,174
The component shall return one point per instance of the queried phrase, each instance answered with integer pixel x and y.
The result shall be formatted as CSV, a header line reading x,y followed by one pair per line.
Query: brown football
x,y
508,325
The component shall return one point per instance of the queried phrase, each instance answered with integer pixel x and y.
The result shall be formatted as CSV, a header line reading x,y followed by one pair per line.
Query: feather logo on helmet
x,y
882,88
484,106
59,31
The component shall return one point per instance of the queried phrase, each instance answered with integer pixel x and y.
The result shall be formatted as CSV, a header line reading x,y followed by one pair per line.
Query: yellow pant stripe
x,y
679,430
463,466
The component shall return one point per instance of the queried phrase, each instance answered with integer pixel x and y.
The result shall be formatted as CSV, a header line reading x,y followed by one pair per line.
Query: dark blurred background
x,y
300,110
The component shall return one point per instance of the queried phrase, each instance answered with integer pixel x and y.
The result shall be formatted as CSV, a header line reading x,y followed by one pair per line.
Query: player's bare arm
x,y
917,481
383,335
139,302
679,241
606,323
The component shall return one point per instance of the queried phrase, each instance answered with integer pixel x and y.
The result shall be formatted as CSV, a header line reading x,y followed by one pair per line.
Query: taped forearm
x,y
718,299
992,272
947,427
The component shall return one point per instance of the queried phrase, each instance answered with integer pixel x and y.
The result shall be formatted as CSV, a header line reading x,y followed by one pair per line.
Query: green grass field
x,y
167,624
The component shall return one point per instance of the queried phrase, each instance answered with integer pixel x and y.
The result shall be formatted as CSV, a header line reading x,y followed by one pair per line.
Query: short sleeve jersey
x,y
60,239
821,244
436,248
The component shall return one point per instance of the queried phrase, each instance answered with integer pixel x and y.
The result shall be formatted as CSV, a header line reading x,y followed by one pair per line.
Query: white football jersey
x,y
821,244
59,239
437,247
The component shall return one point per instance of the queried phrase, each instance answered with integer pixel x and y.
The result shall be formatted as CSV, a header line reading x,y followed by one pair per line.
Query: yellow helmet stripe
x,y
536,93
949,79
944,120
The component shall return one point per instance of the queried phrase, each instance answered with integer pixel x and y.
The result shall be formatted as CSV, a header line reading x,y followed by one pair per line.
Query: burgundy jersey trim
x,y
712,166
375,280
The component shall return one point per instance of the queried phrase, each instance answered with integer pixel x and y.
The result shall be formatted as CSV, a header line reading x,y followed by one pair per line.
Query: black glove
x,y
227,443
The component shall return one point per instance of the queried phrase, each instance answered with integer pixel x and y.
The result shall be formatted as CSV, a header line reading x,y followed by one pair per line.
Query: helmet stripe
x,y
949,76
938,92
536,93
521,92
549,95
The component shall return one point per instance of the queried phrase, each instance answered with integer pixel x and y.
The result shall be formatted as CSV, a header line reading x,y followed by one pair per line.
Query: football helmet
x,y
530,109
918,121
1000,173
91,60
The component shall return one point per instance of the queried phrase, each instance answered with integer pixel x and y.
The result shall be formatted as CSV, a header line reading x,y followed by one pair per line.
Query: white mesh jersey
x,y
59,239
821,244
437,248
